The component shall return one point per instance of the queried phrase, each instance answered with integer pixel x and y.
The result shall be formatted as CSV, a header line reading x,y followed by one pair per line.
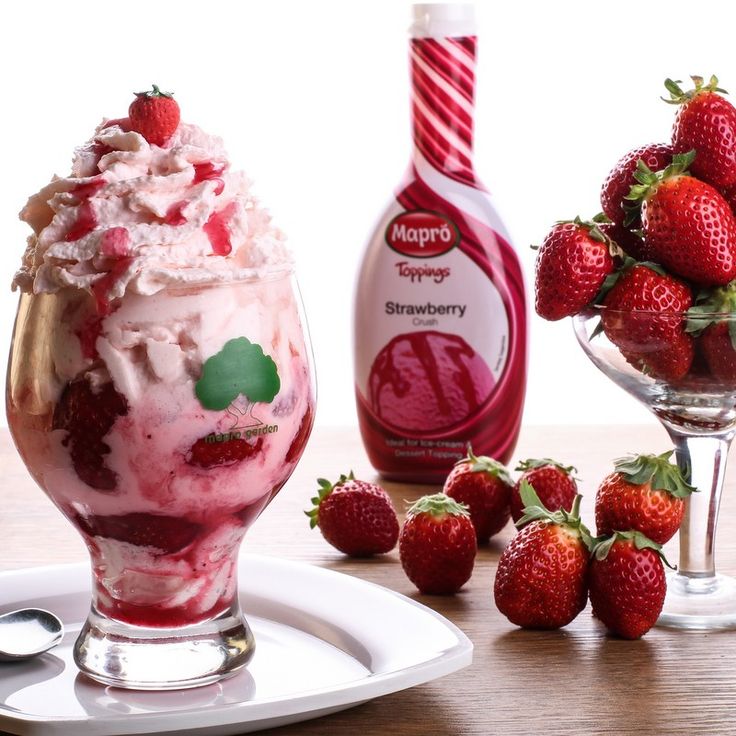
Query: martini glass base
x,y
699,603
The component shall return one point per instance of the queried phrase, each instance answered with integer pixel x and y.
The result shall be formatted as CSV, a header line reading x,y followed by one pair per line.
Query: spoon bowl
x,y
28,632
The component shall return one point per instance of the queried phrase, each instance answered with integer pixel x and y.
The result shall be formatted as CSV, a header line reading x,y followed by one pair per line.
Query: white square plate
x,y
325,641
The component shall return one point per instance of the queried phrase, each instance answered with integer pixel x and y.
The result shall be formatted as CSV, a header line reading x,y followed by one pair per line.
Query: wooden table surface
x,y
574,681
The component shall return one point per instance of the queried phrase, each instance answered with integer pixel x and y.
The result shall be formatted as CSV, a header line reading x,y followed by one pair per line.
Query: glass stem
x,y
702,458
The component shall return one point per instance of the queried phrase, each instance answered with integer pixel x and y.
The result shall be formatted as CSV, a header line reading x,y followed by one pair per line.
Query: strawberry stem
x,y
154,92
679,97
656,470
602,545
438,504
485,464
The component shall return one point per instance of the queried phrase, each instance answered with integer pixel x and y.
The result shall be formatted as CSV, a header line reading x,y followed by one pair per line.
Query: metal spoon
x,y
27,633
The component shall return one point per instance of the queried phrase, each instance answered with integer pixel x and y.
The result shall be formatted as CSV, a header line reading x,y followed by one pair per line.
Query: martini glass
x,y
698,411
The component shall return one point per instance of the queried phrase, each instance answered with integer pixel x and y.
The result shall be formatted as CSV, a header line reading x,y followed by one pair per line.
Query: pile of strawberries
x,y
439,539
661,257
553,565
547,572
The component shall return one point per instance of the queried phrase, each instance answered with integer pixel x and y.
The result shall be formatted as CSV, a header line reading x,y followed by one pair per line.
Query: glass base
x,y
143,658
699,603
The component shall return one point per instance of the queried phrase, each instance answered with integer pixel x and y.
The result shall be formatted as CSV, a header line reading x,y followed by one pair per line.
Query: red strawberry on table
x,y
655,344
688,226
713,321
646,494
572,264
541,580
627,583
437,545
484,485
621,178
553,482
706,123
354,516
155,115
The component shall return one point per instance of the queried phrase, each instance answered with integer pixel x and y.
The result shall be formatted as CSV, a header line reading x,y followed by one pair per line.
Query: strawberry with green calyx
x,y
705,122
437,545
572,263
644,319
619,181
484,485
627,583
354,516
687,224
646,493
553,482
541,580
713,322
155,115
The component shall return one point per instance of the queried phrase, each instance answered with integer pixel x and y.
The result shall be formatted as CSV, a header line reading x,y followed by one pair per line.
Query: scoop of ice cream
x,y
138,217
428,381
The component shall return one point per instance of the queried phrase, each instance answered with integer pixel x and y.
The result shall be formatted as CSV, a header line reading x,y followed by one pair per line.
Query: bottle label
x,y
435,343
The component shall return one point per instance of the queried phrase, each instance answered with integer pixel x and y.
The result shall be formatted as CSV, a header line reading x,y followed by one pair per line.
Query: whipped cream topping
x,y
135,217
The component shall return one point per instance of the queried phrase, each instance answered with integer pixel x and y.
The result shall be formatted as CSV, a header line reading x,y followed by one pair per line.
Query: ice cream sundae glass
x,y
160,387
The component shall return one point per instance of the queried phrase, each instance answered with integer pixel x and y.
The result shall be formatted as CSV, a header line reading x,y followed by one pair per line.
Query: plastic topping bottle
x,y
440,311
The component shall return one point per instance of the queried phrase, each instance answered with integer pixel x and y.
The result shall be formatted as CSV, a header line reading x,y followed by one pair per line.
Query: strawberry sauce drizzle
x,y
218,231
86,222
209,171
88,189
174,215
101,289
115,243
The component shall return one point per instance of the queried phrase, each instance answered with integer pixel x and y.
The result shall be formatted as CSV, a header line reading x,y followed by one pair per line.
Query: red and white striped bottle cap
x,y
438,20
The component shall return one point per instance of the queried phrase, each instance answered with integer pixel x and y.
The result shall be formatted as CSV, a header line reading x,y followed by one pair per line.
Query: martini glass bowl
x,y
695,401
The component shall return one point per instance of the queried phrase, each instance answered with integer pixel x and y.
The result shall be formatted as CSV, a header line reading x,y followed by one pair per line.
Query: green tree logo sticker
x,y
237,378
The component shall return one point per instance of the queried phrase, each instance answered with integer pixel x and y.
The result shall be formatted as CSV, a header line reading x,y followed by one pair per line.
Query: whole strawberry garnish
x,y
553,482
437,545
541,580
354,516
572,264
688,226
87,413
621,178
627,583
155,115
644,317
713,323
645,493
484,486
706,123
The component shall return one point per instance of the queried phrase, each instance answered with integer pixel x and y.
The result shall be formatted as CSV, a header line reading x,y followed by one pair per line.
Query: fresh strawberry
x,y
354,516
621,178
646,494
655,344
688,226
484,486
706,123
629,242
155,115
88,414
438,545
711,320
553,482
627,583
207,452
541,580
572,264
166,533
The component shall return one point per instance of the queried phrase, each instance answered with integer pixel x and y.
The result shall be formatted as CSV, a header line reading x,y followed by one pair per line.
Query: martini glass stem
x,y
702,458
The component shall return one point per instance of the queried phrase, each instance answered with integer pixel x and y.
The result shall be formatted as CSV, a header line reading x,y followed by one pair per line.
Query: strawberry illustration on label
x,y
237,378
